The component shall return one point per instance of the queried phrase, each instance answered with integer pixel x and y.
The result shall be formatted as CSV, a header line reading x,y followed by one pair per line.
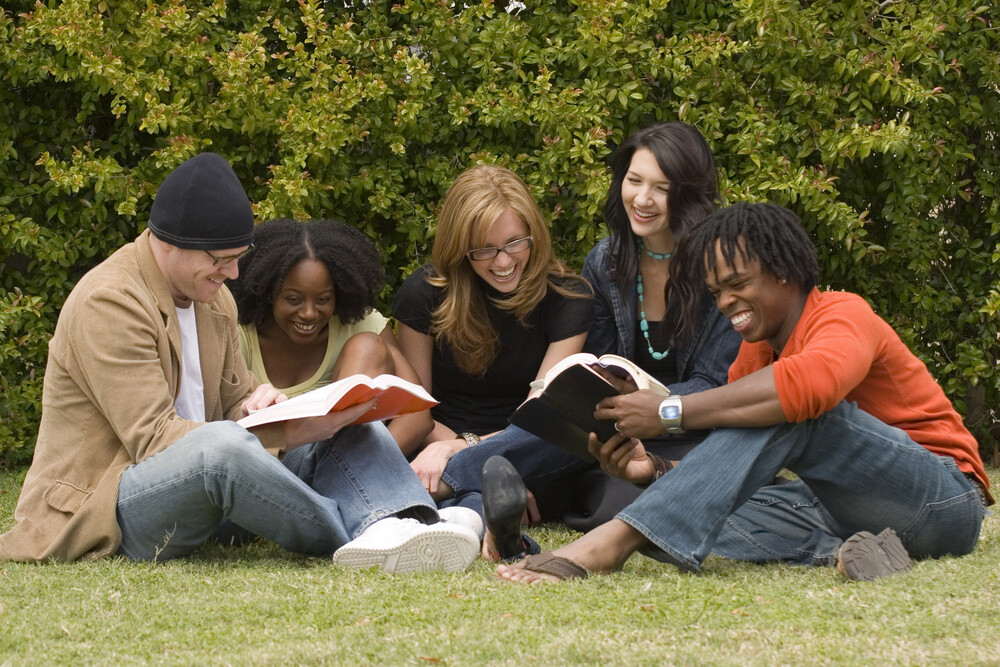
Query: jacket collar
x,y
153,277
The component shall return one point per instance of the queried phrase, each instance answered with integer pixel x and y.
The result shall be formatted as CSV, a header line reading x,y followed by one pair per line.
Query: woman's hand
x,y
430,463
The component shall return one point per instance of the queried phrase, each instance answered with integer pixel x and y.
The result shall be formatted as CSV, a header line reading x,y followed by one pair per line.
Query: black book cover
x,y
563,413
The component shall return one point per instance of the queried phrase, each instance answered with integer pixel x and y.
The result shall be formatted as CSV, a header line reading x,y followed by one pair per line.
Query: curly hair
x,y
686,161
351,258
769,233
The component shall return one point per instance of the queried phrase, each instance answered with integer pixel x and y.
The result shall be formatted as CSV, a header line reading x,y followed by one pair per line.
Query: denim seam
x,y
812,556
970,498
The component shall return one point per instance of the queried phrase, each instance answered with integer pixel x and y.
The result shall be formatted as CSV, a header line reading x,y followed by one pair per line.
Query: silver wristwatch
x,y
471,439
670,414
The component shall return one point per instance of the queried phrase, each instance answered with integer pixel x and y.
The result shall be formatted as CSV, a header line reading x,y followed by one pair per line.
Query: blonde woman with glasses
x,y
492,312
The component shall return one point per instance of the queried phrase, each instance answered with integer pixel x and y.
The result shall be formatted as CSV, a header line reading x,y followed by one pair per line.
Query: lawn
x,y
260,605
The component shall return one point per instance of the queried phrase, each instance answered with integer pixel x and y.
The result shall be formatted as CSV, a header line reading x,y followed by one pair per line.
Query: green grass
x,y
260,605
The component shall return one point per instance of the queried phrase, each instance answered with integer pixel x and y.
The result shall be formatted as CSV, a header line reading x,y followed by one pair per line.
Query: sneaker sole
x,y
445,549
866,557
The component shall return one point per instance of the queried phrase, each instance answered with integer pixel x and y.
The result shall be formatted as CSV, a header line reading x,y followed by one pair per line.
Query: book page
x,y
641,378
394,396
583,358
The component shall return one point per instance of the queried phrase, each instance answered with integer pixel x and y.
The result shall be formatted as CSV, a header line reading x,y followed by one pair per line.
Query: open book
x,y
394,396
563,413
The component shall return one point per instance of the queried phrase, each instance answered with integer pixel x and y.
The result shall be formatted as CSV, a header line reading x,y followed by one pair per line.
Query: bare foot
x,y
601,551
489,550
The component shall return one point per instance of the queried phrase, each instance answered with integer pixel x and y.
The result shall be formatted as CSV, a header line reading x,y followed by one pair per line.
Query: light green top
x,y
374,322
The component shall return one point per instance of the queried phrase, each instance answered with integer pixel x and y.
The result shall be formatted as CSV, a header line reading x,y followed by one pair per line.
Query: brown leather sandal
x,y
557,566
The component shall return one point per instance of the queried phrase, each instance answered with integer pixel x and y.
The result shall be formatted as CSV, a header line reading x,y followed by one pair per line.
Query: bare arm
x,y
441,443
417,349
409,431
556,352
749,402
559,350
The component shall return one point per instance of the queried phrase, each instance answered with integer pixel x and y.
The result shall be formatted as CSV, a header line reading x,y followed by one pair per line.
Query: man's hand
x,y
303,431
623,385
263,396
623,457
635,415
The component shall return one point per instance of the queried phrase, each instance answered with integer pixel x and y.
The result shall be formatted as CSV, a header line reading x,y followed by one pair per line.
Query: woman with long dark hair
x,y
647,309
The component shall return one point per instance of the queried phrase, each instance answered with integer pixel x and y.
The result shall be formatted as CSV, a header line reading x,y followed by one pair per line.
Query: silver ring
x,y
618,428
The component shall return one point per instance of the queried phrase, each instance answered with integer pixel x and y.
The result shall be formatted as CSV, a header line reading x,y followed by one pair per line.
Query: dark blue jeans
x,y
539,463
856,473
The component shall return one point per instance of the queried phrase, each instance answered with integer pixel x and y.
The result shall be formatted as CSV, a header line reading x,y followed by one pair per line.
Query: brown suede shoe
x,y
865,557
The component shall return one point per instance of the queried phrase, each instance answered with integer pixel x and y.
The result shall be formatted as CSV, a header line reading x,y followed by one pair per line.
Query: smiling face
x,y
191,275
759,305
645,197
304,303
504,271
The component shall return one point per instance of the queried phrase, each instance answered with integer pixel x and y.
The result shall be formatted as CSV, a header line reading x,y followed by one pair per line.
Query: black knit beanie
x,y
201,205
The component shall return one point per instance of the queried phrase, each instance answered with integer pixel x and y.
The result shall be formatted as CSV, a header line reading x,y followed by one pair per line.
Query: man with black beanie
x,y
138,451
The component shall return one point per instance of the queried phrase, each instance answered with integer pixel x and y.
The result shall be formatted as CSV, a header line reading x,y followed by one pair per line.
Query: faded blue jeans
x,y
856,473
219,478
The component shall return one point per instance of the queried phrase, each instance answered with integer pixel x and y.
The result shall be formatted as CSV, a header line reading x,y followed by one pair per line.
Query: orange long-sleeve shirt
x,y
840,349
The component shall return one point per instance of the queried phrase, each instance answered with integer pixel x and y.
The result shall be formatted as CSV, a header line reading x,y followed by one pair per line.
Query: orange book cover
x,y
394,396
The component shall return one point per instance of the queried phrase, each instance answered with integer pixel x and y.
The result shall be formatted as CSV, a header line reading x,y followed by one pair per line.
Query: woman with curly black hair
x,y
306,295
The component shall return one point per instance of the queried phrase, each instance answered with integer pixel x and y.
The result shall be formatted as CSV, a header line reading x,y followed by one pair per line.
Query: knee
x,y
371,353
223,444
372,435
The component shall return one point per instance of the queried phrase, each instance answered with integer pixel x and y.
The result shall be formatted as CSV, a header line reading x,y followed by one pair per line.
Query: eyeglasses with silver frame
x,y
222,261
512,248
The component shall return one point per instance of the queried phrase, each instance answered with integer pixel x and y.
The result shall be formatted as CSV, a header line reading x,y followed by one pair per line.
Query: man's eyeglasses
x,y
222,261
515,246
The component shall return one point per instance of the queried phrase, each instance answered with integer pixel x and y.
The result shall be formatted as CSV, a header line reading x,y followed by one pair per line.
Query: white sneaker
x,y
463,516
406,545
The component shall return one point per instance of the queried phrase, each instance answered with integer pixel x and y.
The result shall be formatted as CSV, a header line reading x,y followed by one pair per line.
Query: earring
x,y
784,281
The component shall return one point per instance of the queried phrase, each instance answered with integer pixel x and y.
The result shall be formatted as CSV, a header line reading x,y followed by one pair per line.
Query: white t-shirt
x,y
190,401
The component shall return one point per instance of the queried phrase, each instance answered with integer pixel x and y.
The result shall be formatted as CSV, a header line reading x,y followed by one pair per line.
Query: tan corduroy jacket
x,y
108,401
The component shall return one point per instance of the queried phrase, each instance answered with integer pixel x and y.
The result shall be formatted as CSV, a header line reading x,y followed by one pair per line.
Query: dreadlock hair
x,y
686,161
769,233
474,202
352,260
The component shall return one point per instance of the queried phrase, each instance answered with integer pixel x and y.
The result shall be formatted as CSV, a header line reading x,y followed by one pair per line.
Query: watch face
x,y
669,412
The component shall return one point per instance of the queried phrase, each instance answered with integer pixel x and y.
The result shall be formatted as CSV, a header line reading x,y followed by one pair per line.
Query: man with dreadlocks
x,y
822,386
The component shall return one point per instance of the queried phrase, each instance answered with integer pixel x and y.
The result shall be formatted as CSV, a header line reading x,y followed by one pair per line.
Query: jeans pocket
x,y
947,527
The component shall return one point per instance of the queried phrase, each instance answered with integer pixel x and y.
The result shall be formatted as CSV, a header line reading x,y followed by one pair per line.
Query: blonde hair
x,y
476,199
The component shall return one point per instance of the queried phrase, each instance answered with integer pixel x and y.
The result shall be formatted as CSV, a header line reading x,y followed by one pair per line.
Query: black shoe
x,y
865,557
504,500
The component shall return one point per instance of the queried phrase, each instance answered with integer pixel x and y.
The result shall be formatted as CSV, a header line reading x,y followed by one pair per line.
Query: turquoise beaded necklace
x,y
654,255
643,323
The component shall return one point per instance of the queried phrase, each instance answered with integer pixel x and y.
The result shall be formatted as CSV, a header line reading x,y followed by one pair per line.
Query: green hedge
x,y
876,122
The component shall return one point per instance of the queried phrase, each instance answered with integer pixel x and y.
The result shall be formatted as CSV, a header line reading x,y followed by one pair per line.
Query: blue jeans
x,y
538,462
857,474
217,476
566,488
